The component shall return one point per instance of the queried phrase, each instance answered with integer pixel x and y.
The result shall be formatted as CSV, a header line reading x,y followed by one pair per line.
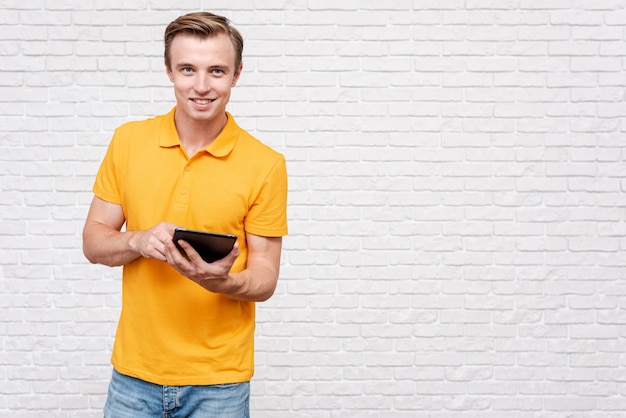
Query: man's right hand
x,y
104,243
152,242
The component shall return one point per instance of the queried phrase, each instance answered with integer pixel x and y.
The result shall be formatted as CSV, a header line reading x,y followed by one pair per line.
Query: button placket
x,y
185,185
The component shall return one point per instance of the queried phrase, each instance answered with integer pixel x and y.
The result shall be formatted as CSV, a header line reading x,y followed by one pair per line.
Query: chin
x,y
201,115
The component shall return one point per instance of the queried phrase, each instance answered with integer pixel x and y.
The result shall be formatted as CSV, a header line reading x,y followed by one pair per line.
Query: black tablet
x,y
210,245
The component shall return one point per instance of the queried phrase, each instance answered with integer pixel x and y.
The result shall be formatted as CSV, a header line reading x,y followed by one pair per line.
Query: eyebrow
x,y
223,67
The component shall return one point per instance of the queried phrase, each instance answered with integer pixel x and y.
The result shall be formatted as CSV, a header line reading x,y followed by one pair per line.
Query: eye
x,y
218,72
186,70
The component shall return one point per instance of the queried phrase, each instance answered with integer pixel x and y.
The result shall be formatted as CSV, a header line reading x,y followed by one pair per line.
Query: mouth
x,y
203,101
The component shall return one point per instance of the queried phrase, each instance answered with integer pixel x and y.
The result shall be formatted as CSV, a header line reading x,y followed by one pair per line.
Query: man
x,y
184,343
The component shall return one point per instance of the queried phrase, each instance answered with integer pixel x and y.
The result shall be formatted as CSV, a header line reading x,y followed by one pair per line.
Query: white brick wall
x,y
457,201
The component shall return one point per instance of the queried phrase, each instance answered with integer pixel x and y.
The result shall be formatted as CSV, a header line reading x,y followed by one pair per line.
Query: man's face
x,y
203,72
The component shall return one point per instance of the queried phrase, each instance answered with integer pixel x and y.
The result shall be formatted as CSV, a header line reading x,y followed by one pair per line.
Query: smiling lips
x,y
203,101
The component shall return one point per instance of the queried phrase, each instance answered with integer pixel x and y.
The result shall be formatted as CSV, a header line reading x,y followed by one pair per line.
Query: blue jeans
x,y
134,398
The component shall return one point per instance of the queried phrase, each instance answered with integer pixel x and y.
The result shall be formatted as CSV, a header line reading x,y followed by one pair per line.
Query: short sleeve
x,y
268,214
106,185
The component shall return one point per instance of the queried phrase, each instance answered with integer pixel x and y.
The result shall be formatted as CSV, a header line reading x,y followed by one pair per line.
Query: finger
x,y
186,255
192,254
158,255
228,261
155,255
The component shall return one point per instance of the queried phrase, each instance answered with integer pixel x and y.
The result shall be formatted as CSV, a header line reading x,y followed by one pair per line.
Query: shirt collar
x,y
220,147
226,140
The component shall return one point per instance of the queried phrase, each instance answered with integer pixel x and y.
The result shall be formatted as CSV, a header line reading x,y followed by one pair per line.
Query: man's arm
x,y
255,284
104,243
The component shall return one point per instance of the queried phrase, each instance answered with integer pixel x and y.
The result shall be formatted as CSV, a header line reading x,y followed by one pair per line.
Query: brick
x,y
456,205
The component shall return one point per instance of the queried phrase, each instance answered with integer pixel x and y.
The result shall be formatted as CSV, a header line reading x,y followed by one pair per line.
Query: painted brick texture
x,y
457,201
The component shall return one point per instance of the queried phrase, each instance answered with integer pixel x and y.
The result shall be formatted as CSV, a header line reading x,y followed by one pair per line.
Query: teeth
x,y
203,101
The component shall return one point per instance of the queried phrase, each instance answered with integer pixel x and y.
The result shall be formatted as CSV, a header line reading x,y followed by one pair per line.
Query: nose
x,y
202,83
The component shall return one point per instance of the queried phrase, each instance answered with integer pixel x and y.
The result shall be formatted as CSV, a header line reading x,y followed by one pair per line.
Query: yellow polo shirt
x,y
172,331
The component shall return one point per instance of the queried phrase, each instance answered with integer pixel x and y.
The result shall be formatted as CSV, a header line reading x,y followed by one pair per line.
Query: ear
x,y
237,75
169,72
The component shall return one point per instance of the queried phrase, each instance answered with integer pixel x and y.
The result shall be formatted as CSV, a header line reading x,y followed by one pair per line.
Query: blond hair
x,y
203,25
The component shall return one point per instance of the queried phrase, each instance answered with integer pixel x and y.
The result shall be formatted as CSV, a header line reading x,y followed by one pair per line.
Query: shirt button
x,y
184,191
187,168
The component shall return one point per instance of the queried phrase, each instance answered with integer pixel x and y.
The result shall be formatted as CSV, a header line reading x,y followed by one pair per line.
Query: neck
x,y
196,134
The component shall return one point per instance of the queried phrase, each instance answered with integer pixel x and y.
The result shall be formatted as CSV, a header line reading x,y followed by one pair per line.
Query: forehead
x,y
186,48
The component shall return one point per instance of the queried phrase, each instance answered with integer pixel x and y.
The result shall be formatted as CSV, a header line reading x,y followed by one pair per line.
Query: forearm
x,y
105,245
255,284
